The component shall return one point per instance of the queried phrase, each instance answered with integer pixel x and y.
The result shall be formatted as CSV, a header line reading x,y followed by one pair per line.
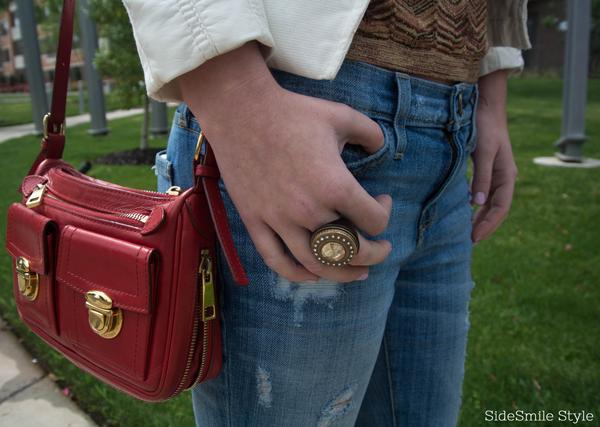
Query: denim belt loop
x,y
458,103
455,99
403,103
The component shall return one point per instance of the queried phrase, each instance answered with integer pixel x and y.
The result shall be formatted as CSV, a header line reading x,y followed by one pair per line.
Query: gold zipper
x,y
190,357
36,198
174,190
208,312
134,215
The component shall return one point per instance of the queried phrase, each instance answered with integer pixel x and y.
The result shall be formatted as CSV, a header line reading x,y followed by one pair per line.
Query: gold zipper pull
x,y
174,190
35,198
209,311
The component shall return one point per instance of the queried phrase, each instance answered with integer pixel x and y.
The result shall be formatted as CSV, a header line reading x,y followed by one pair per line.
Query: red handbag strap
x,y
207,176
53,143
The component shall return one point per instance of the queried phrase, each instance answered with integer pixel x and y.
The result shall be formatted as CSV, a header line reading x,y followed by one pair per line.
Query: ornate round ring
x,y
335,243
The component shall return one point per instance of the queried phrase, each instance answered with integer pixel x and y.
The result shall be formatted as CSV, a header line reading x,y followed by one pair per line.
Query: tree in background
x,y
117,58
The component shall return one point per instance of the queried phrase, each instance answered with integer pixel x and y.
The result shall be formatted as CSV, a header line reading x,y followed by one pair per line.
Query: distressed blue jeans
x,y
386,351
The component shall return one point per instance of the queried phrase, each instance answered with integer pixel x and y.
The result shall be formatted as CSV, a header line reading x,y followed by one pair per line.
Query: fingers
x,y
273,253
369,214
357,128
483,165
488,218
371,251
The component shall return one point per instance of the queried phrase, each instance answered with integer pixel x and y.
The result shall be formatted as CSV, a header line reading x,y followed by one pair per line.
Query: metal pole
x,y
33,63
575,81
158,121
80,97
89,42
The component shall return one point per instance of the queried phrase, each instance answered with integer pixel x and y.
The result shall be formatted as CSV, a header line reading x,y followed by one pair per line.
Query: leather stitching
x,y
39,259
64,270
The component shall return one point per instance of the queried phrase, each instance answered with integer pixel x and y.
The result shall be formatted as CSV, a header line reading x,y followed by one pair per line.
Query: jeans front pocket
x,y
357,160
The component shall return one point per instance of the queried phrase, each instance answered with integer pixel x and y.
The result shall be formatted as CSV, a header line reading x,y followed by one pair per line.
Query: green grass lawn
x,y
16,107
534,340
535,336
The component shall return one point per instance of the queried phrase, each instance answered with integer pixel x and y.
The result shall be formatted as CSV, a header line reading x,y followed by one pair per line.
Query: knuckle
x,y
339,112
379,223
306,213
345,109
337,190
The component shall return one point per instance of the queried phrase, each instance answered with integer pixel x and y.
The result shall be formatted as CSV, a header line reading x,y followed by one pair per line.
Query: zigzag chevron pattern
x,y
451,26
442,39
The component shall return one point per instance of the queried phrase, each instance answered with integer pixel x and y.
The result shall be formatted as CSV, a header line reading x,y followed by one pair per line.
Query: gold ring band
x,y
335,243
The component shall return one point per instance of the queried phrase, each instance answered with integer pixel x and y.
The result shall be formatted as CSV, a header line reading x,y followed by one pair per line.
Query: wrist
x,y
227,83
493,93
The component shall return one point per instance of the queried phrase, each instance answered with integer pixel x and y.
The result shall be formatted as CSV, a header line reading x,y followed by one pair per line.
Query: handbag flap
x,y
123,270
26,233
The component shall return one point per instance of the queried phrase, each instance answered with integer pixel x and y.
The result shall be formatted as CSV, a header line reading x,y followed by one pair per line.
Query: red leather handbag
x,y
120,281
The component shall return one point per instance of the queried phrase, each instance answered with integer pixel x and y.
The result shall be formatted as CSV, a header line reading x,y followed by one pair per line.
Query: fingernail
x,y
364,276
479,198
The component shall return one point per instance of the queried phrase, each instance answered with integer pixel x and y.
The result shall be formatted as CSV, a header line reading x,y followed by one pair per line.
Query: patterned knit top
x,y
443,40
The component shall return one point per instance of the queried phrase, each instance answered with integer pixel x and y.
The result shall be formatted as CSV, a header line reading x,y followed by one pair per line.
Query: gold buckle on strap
x,y
201,141
46,123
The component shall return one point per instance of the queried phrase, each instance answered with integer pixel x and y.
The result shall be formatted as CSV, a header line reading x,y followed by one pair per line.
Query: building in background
x,y
547,27
12,63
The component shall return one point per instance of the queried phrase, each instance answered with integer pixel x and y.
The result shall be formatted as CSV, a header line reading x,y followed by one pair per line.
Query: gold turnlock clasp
x,y
27,280
105,320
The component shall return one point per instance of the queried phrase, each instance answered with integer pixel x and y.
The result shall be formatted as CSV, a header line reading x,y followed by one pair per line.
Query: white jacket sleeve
x,y
176,36
502,58
507,36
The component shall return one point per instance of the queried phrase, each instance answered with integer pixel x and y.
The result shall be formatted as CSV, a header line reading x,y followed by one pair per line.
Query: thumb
x,y
356,128
482,179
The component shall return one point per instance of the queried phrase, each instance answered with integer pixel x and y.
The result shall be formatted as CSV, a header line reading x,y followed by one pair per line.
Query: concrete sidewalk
x,y
28,397
10,132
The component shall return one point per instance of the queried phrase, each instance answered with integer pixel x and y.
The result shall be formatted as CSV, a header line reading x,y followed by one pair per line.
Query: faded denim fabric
x,y
387,351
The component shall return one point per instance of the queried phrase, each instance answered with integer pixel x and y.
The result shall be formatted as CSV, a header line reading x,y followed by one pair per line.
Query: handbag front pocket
x,y
30,239
105,288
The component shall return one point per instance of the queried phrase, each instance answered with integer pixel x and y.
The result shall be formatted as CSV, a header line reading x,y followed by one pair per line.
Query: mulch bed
x,y
136,156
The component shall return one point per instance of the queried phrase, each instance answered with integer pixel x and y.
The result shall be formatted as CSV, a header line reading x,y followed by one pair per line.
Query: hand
x,y
494,168
279,156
